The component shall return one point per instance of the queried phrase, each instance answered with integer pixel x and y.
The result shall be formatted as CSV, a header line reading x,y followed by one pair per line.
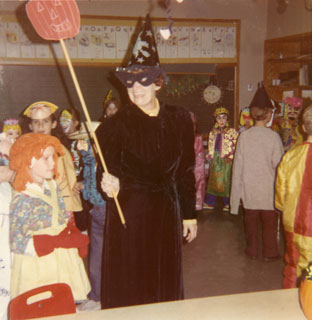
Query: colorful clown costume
x,y
293,197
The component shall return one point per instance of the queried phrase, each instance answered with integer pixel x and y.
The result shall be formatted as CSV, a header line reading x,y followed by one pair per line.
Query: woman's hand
x,y
189,230
110,185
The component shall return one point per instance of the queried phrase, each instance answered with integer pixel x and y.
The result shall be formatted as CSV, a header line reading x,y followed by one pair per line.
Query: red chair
x,y
60,300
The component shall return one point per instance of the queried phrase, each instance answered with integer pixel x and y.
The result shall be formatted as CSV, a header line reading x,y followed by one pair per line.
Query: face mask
x,y
145,78
65,121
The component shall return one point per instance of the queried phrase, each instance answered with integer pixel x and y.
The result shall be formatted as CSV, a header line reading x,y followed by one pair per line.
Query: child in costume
x,y
12,128
42,121
199,169
110,106
85,161
97,213
258,152
46,247
221,146
245,120
5,200
293,198
288,126
69,121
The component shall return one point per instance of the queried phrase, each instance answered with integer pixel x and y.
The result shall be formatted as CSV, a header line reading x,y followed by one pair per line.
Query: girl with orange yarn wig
x,y
42,239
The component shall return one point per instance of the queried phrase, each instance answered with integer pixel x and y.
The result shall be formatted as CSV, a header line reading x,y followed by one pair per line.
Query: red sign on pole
x,y
54,19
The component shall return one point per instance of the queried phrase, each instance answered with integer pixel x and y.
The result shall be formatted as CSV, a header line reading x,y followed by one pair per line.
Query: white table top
x,y
275,304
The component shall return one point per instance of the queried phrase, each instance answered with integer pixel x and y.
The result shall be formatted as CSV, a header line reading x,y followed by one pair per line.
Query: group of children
x,y
42,216
43,186
271,170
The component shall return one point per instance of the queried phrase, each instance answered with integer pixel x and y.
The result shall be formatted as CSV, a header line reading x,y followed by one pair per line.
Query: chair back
x,y
50,300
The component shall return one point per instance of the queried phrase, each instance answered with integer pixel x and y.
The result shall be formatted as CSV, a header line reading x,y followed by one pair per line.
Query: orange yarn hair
x,y
24,149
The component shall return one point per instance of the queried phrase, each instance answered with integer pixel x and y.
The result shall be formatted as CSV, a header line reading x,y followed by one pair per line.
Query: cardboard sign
x,y
54,19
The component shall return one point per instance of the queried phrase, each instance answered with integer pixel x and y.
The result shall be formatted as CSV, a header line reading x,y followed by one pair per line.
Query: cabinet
x,y
288,65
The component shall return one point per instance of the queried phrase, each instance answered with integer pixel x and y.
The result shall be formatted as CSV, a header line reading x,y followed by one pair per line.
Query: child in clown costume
x,y
47,248
12,129
293,197
245,120
288,126
221,147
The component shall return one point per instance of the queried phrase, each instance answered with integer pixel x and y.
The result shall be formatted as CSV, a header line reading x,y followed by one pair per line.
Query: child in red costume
x,y
45,246
293,197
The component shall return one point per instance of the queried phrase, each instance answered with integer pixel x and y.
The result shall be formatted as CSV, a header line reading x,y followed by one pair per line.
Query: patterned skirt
x,y
219,179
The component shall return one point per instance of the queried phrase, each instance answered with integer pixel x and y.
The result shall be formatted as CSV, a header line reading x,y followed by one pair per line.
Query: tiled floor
x,y
215,263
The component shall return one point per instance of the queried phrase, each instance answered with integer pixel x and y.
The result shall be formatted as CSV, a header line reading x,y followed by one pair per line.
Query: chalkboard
x,y
23,85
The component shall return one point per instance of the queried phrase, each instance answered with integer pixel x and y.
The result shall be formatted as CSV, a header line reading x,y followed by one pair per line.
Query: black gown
x,y
154,159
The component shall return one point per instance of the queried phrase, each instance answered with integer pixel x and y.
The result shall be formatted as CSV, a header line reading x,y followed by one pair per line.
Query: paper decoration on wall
x,y
183,85
212,94
59,20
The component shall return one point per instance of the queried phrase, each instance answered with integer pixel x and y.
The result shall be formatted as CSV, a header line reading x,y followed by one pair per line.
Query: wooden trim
x,y
90,56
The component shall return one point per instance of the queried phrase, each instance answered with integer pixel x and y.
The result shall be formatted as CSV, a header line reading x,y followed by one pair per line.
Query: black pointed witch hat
x,y
144,54
261,98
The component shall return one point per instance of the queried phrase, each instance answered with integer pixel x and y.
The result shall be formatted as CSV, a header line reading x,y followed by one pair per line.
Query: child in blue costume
x,y
98,212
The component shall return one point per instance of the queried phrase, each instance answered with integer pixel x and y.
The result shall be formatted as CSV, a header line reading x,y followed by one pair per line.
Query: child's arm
x,y
278,151
280,186
20,224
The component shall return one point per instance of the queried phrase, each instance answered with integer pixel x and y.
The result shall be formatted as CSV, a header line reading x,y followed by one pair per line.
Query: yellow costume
x,y
293,197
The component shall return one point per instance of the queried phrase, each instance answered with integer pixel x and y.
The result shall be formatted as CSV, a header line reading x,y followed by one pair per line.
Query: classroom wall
x,y
252,14
296,19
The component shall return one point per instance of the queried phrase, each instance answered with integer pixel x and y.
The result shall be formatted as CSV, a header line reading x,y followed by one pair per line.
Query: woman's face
x,y
43,168
143,97
221,120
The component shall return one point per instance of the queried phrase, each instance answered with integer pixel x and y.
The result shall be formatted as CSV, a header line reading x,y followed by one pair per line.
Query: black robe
x,y
154,159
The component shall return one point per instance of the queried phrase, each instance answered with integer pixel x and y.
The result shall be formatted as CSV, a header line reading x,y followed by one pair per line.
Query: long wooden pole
x,y
85,110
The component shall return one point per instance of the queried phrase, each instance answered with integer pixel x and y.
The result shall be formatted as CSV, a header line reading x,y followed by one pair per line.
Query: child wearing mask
x,y
42,120
221,146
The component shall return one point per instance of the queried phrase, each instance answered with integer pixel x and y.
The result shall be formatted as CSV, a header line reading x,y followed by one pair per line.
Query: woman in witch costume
x,y
149,150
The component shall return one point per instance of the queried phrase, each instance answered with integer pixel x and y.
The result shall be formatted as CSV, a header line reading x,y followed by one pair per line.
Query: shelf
x,y
290,60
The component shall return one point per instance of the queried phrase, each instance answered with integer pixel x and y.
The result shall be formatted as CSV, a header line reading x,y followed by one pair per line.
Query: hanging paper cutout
x,y
54,20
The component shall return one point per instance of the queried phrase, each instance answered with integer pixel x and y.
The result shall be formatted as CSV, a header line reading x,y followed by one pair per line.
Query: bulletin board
x,y
105,40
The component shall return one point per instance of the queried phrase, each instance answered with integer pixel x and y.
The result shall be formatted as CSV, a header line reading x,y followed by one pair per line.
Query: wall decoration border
x,y
105,40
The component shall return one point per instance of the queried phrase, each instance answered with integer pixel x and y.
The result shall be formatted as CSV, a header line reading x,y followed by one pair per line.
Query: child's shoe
x,y
226,208
89,305
207,206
